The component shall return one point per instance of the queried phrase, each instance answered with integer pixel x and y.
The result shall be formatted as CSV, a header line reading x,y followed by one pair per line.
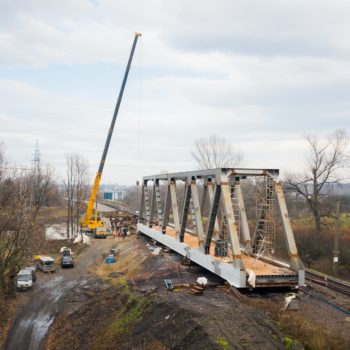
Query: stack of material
x,y
121,219
196,289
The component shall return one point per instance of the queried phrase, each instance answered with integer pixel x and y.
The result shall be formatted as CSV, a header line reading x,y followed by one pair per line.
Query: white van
x,y
24,280
46,264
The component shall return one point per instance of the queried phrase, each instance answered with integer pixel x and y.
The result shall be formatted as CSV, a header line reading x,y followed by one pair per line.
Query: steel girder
x,y
216,174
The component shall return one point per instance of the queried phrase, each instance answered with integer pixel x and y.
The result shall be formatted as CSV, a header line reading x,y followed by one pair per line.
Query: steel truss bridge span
x,y
202,216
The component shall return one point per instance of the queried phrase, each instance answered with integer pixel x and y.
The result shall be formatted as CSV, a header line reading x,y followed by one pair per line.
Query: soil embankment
x,y
126,306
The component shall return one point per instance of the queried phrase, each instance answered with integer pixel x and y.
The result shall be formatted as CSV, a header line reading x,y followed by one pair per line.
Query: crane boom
x,y
88,221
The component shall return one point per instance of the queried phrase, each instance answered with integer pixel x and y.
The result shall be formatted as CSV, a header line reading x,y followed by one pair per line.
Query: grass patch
x,y
132,309
310,335
290,343
104,271
222,342
129,261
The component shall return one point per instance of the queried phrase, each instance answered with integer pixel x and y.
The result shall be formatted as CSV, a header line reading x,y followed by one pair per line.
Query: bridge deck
x,y
259,267
266,274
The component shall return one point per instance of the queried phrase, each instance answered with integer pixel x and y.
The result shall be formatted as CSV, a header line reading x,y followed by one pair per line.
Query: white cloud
x,y
261,74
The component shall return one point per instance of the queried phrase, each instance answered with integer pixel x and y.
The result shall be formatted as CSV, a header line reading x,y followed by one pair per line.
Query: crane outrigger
x,y
91,222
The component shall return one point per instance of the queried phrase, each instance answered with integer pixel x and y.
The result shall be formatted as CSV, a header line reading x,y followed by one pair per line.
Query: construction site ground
x,y
126,306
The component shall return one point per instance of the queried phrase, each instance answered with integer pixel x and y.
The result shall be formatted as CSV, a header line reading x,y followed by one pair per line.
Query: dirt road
x,y
36,315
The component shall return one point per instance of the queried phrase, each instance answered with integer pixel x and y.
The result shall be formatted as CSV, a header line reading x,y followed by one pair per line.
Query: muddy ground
x,y
126,306
37,309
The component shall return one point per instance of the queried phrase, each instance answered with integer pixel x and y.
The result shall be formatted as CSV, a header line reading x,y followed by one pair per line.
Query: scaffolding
x,y
265,233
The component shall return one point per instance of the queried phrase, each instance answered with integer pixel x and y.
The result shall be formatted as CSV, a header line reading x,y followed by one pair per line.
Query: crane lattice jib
x,y
88,221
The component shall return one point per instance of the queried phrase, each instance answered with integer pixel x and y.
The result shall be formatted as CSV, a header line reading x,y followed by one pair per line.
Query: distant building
x,y
117,195
107,196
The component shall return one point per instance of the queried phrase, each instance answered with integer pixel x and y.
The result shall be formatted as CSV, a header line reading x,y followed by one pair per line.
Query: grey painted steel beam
x,y
142,204
216,174
211,198
244,220
159,206
186,175
175,208
197,212
204,196
231,227
153,204
212,217
295,262
167,206
147,203
184,214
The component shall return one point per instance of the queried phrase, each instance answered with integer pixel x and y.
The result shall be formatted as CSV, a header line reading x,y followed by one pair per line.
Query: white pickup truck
x,y
24,280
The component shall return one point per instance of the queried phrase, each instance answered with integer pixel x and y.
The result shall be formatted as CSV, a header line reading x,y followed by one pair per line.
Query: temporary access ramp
x,y
201,215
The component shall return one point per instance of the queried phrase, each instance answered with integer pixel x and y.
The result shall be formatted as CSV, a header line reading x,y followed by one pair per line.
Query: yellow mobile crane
x,y
92,223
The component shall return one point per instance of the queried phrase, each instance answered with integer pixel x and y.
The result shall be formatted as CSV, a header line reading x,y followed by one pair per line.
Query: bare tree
x,y
69,184
2,160
81,188
323,163
42,184
20,231
76,187
215,152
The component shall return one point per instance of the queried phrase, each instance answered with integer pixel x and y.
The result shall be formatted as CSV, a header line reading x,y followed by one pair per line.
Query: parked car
x,y
32,269
113,251
67,261
24,280
66,251
46,264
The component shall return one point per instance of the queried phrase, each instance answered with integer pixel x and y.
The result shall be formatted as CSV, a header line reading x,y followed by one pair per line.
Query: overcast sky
x,y
260,73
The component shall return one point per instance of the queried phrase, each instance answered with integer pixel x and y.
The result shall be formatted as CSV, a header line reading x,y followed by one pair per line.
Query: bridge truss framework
x,y
184,197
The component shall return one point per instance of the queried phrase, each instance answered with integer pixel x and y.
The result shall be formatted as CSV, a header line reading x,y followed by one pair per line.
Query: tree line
x,y
25,193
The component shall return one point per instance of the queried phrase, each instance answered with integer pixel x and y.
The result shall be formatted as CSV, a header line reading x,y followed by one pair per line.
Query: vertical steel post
x,y
197,212
205,195
166,213
159,206
142,204
211,220
336,240
185,207
153,204
244,220
211,198
147,203
231,227
175,208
